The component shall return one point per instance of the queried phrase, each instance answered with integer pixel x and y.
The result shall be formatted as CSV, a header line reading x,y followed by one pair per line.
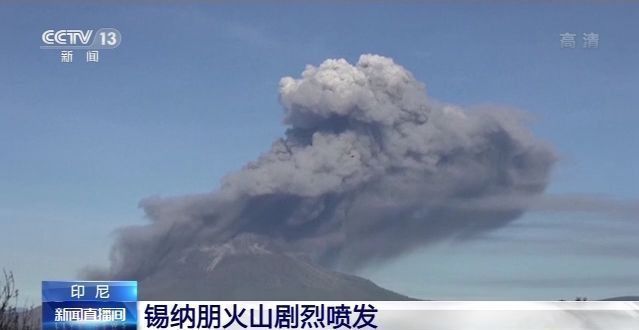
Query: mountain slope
x,y
248,268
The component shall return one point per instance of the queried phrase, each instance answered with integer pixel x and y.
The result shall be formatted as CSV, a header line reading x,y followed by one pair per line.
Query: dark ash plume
x,y
368,169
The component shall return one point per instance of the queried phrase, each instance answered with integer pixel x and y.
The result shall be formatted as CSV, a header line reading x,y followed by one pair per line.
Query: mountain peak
x,y
249,267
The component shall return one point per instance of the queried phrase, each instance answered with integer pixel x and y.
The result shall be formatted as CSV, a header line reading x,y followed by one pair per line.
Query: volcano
x,y
250,268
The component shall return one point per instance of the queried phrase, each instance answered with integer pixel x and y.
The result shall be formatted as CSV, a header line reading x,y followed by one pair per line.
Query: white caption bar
x,y
414,315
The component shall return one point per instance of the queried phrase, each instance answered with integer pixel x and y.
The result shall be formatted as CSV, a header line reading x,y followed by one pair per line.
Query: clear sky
x,y
191,94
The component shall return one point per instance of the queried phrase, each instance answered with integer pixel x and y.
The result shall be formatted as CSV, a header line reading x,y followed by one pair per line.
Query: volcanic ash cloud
x,y
368,168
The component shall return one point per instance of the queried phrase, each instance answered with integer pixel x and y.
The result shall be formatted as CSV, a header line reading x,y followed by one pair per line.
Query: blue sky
x,y
191,94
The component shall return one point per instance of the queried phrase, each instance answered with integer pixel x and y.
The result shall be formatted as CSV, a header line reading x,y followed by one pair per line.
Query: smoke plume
x,y
369,168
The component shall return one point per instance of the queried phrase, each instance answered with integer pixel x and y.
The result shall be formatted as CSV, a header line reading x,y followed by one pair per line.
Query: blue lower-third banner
x,y
89,305
114,305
